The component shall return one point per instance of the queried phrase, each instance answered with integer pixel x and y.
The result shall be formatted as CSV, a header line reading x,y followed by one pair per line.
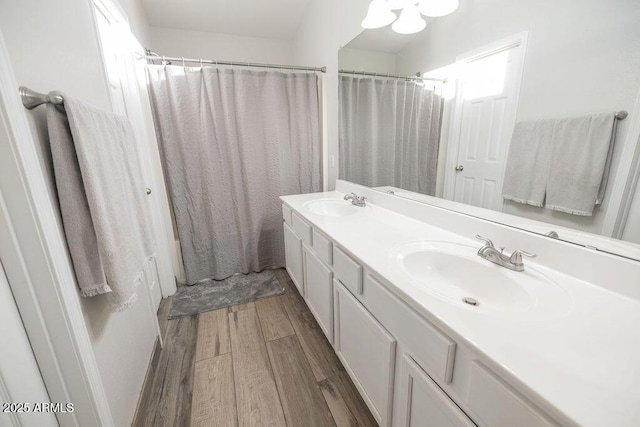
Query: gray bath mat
x,y
214,294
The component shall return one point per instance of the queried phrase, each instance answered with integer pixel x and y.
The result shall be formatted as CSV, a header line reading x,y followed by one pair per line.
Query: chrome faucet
x,y
355,200
512,262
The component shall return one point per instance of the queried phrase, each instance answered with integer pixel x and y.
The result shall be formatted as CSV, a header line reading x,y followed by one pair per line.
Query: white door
x,y
119,49
485,111
21,386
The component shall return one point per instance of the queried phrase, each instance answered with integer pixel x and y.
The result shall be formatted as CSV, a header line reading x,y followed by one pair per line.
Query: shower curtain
x,y
232,141
389,133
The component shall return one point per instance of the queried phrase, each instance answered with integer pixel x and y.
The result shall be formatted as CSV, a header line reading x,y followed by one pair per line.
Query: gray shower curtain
x,y
389,133
232,141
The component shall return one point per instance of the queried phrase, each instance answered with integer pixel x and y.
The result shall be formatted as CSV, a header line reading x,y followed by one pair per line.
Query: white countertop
x,y
584,363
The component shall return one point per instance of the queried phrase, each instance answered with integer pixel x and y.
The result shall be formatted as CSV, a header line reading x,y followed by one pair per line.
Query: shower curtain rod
x,y
154,56
391,76
31,99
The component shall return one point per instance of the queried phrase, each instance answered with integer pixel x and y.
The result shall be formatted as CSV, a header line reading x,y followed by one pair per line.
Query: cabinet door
x,y
319,287
423,403
367,351
293,257
492,402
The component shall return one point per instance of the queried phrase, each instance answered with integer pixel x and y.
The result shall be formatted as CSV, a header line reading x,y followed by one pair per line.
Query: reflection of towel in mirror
x,y
527,170
101,193
580,162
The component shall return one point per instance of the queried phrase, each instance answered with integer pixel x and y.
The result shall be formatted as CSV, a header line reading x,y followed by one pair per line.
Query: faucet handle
x,y
487,242
516,256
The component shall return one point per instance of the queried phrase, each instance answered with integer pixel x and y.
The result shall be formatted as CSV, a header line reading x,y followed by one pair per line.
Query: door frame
x,y
37,265
455,120
19,384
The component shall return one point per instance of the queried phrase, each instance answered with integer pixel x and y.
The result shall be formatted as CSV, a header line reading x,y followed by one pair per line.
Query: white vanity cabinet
x,y
293,257
422,402
409,369
319,286
367,351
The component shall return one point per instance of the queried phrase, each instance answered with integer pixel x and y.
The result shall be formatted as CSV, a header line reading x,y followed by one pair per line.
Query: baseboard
x,y
146,386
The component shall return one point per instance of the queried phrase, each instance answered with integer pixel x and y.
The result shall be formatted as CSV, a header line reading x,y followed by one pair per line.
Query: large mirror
x,y
513,118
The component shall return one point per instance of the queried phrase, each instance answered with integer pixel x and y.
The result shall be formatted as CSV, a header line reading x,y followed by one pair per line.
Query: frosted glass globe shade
x,y
410,21
379,15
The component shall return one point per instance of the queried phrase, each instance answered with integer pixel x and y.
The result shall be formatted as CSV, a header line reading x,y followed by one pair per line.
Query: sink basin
x,y
456,273
334,207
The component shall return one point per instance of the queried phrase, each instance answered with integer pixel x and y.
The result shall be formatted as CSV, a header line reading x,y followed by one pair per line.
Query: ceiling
x,y
381,40
275,19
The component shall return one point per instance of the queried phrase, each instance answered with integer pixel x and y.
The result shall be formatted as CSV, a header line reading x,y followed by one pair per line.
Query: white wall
x,y
352,12
326,27
54,46
368,60
135,13
632,229
316,44
206,45
582,58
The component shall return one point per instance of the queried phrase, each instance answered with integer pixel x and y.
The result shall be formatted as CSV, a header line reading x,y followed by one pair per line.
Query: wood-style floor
x,y
258,364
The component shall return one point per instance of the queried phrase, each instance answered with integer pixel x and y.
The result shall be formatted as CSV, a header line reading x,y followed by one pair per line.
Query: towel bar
x,y
31,99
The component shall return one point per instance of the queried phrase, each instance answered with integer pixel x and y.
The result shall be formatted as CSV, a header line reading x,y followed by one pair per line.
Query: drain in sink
x,y
471,301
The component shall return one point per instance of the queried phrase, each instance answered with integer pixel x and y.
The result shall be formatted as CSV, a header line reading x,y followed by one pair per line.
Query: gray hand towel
x,y
102,199
527,169
579,168
76,217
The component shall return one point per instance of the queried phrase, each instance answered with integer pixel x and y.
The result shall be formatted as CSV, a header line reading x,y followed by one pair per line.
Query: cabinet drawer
x,y
323,248
429,346
423,403
302,229
286,214
348,271
494,403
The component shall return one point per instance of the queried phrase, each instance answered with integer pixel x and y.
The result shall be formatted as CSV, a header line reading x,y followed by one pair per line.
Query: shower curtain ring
x,y
201,63
183,62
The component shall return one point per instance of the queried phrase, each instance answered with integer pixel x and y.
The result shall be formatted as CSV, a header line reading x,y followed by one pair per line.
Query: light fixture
x,y
409,21
400,4
437,8
379,15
